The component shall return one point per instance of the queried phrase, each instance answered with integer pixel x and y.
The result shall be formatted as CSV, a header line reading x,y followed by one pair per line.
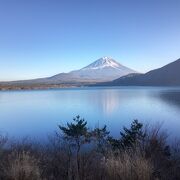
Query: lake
x,y
36,113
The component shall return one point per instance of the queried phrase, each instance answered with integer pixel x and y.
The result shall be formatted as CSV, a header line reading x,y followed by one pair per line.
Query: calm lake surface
x,y
37,113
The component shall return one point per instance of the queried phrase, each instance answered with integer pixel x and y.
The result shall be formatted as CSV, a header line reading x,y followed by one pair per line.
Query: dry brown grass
x,y
129,165
22,166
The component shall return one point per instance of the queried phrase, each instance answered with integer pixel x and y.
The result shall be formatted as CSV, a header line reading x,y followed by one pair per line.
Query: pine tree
x,y
76,133
100,136
133,135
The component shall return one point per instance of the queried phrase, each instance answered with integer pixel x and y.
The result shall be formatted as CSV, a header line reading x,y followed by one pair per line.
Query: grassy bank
x,y
77,153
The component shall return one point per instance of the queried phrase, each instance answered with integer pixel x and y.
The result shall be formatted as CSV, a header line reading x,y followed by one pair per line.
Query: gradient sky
x,y
40,38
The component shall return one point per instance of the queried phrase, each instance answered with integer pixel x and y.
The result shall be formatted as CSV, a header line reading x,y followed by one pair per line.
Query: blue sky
x,y
40,38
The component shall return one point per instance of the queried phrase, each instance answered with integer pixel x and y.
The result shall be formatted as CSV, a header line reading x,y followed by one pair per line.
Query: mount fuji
x,y
103,69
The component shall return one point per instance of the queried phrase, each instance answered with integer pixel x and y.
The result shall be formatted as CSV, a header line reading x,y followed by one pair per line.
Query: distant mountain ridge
x,y
101,70
168,75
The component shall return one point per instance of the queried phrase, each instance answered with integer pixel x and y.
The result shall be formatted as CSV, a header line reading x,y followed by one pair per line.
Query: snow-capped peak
x,y
101,70
102,63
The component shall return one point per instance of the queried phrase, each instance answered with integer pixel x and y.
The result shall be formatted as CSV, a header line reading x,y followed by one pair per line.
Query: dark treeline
x,y
77,153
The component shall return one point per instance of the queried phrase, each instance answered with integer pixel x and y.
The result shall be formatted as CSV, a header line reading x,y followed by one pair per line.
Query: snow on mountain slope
x,y
103,69
102,63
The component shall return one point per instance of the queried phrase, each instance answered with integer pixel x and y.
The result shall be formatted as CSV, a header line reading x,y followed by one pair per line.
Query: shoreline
x,y
62,86
34,87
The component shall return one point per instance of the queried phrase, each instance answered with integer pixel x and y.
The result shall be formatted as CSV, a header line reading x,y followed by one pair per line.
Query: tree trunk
x,y
78,161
